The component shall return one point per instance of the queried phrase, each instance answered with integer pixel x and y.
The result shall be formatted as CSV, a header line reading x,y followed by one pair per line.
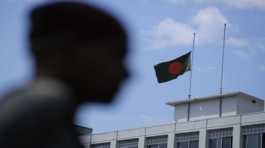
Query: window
x,y
101,145
194,144
222,142
183,145
263,140
253,136
227,142
132,143
156,142
187,140
252,141
221,138
214,143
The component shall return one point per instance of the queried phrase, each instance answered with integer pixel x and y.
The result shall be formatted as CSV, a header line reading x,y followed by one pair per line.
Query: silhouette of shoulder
x,y
38,115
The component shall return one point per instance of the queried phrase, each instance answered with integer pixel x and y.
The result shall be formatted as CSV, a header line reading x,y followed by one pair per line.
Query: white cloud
x,y
169,33
242,4
246,49
207,23
209,16
246,3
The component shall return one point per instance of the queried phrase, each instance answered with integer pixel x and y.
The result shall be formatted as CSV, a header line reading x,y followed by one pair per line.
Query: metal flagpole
x,y
191,69
222,74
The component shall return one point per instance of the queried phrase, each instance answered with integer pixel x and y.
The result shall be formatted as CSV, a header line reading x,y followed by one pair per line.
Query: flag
x,y
170,70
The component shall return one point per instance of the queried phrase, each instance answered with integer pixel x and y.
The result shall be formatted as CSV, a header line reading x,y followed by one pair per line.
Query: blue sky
x,y
160,30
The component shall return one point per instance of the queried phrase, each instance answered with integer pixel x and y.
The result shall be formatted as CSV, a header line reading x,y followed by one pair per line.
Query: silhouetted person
x,y
79,53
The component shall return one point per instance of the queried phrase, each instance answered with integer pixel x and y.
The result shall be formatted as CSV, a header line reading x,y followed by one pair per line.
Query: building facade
x,y
242,125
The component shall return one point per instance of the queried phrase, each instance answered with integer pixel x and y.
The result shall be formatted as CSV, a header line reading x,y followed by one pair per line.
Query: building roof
x,y
224,96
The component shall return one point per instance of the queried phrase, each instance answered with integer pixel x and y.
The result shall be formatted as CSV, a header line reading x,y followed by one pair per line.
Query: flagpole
x,y
191,69
222,74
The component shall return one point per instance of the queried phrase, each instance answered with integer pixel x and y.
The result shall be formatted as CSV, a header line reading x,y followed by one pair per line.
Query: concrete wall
x,y
181,113
206,109
245,105
201,126
229,107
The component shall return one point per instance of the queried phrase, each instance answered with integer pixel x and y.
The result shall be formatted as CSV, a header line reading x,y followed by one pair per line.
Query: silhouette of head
x,y
80,45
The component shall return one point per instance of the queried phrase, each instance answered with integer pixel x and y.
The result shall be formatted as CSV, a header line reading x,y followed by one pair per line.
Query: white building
x,y
242,125
237,103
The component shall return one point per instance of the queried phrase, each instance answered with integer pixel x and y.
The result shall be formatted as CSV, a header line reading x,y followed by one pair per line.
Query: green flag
x,y
170,70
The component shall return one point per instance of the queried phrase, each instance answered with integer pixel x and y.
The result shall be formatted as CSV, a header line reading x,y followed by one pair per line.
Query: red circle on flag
x,y
175,68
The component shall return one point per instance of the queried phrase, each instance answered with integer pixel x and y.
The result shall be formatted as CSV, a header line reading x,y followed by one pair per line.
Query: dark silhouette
x,y
79,54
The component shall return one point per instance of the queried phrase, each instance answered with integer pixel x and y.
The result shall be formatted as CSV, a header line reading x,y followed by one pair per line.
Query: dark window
x,y
157,146
214,143
227,142
253,136
187,140
221,138
183,145
156,142
252,141
132,143
263,140
101,145
152,146
164,145
194,144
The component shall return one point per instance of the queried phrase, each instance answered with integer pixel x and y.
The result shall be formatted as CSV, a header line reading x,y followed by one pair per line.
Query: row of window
x,y
253,137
